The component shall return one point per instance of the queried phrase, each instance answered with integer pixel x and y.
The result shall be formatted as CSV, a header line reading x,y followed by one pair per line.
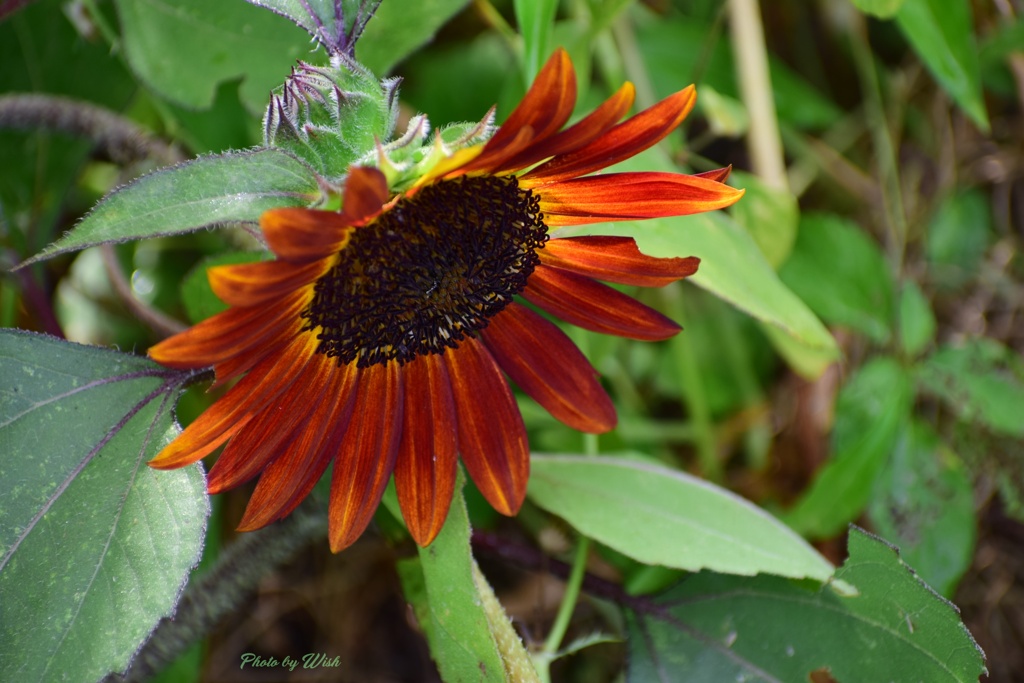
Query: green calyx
x,y
337,116
331,116
404,160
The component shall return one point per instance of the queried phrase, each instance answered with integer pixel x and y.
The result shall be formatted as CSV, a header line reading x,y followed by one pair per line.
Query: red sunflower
x,y
380,336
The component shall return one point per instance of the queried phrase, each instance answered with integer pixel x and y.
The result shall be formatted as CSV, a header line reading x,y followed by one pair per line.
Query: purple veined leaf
x,y
335,24
875,621
94,545
204,192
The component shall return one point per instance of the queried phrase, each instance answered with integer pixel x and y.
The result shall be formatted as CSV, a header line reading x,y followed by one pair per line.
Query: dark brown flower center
x,y
430,271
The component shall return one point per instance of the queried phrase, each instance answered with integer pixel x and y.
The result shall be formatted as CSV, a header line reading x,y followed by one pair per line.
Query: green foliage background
x,y
852,350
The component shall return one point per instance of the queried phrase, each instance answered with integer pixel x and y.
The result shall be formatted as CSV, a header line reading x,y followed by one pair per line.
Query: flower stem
x,y
542,660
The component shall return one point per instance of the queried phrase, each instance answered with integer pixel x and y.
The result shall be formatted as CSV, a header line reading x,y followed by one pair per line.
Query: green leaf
x,y
197,295
185,49
441,586
94,545
399,28
661,516
885,625
917,322
732,266
769,214
237,186
924,503
536,19
883,9
871,411
841,274
942,34
982,381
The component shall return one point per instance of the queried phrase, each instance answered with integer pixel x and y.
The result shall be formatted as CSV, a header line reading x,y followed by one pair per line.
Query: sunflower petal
x,y
492,438
234,332
302,235
251,284
615,259
293,474
233,410
630,196
593,306
579,134
427,457
366,191
544,109
621,142
250,450
545,363
719,175
271,343
367,453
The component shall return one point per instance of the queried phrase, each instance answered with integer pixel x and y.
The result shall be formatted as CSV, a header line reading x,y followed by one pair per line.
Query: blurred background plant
x,y
881,143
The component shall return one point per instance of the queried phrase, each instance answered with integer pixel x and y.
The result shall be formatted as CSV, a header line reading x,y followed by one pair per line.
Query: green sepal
x,y
331,116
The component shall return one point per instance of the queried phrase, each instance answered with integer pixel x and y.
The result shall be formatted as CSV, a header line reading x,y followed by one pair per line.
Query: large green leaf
x,y
398,28
661,516
871,411
924,503
878,622
184,49
442,588
94,545
942,33
236,186
841,274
